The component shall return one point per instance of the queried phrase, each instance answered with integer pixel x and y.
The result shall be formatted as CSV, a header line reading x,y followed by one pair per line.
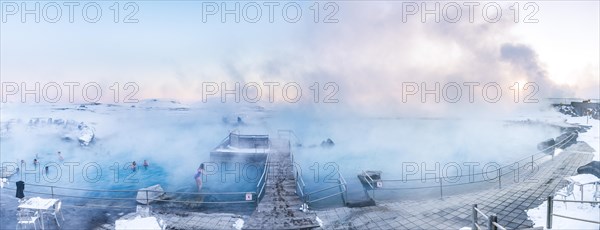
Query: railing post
x,y
549,213
52,191
499,178
441,192
474,227
532,168
493,218
147,198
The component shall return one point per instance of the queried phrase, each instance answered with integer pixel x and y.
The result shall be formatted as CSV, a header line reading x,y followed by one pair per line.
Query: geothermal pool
x,y
175,139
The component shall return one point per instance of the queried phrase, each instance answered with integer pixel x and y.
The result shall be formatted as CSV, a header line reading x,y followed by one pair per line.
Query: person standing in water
x,y
60,157
145,164
198,176
133,166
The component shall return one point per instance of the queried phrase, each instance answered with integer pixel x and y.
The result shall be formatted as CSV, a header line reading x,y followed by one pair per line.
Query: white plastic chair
x,y
56,211
568,192
27,217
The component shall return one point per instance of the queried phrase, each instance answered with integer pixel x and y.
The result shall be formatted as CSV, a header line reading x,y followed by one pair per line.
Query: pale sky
x,y
368,53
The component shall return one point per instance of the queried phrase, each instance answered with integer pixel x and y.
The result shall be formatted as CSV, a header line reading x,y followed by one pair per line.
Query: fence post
x,y
52,191
441,192
549,213
493,218
147,198
532,168
474,227
499,178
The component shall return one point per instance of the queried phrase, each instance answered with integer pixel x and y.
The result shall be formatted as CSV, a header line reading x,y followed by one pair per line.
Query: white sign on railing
x,y
248,196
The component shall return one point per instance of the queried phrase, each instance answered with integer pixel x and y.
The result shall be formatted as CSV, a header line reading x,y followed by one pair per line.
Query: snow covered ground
x,y
583,211
592,136
578,210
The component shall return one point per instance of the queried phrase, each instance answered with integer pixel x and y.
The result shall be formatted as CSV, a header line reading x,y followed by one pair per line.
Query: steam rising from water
x,y
175,142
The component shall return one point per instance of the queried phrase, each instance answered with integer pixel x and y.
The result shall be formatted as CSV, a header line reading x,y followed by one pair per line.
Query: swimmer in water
x,y
60,157
133,166
198,176
145,164
35,162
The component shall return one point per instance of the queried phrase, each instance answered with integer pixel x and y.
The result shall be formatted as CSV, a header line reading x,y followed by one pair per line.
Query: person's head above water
x,y
201,166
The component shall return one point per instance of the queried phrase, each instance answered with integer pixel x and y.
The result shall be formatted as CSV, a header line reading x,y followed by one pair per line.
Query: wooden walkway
x,y
280,206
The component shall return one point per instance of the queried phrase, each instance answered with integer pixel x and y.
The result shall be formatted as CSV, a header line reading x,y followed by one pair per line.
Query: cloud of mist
x,y
524,58
368,54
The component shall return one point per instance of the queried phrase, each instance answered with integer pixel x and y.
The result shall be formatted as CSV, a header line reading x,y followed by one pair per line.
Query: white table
x,y
583,179
38,204
138,223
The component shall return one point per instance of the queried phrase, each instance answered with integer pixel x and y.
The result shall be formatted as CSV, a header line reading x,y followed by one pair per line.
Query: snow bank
x,y
592,136
578,210
582,211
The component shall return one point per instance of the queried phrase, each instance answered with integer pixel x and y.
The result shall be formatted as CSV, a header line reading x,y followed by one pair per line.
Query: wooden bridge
x,y
280,208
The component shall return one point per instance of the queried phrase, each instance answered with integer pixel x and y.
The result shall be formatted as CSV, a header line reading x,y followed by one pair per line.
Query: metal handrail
x,y
550,211
142,189
498,226
342,185
369,177
149,199
492,220
222,142
322,190
302,181
301,190
578,219
580,201
481,213
299,187
265,175
342,178
53,194
326,197
469,175
264,170
279,131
